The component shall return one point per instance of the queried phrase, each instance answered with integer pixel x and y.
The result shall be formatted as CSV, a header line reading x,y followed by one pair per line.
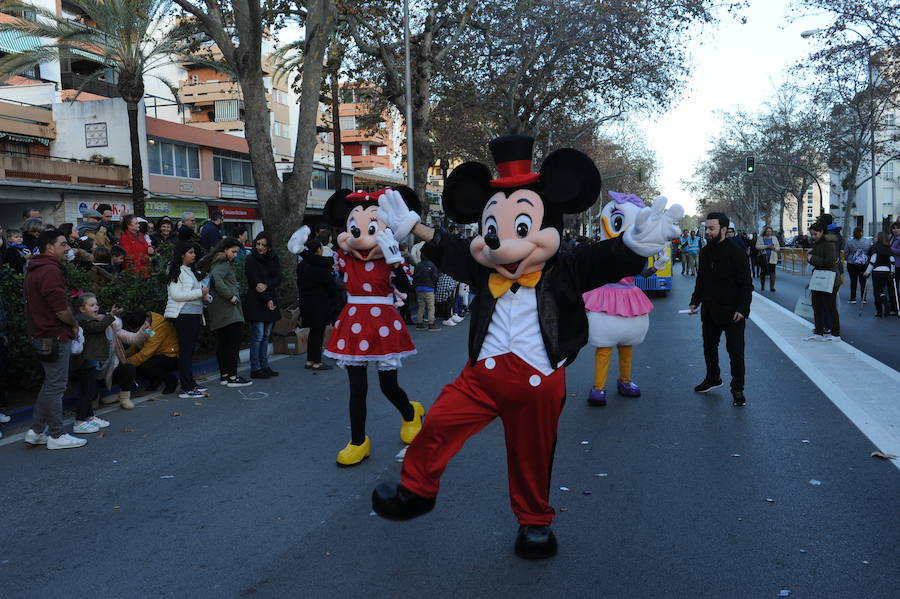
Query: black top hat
x,y
513,156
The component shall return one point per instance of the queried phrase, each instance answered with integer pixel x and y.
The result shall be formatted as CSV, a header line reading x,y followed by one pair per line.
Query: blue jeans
x,y
259,344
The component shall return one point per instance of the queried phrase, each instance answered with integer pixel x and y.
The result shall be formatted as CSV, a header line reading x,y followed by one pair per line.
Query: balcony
x,y
51,169
363,162
27,120
100,88
224,126
208,92
379,138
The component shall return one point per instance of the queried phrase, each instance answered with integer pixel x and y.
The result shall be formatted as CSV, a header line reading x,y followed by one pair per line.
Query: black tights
x,y
359,385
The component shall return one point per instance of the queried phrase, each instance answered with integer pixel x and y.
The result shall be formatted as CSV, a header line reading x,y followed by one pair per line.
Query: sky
x,y
735,65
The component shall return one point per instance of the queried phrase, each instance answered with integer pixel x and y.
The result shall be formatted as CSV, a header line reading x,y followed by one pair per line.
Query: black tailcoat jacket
x,y
564,325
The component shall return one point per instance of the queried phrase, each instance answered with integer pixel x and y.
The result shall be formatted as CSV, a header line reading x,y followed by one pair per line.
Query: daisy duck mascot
x,y
369,328
618,313
528,319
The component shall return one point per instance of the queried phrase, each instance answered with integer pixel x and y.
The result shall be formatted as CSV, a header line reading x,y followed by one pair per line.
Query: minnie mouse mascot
x,y
369,328
528,319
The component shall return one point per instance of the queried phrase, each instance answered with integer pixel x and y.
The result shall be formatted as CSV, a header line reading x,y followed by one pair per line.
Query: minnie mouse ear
x,y
337,209
570,181
410,198
466,192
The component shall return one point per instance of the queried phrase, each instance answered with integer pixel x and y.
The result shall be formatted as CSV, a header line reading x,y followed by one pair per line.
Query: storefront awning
x,y
12,42
25,139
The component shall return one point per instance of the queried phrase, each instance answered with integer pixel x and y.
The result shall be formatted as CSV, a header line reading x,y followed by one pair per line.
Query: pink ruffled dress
x,y
618,299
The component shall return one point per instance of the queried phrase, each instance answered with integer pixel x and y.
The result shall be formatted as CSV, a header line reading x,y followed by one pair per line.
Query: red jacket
x,y
45,295
136,256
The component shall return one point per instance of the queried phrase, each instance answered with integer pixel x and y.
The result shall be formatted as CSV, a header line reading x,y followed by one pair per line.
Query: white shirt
x,y
515,329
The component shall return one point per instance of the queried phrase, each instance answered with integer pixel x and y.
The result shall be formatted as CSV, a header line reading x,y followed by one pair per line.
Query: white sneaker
x,y
835,338
457,318
100,422
4,418
449,323
826,337
813,338
65,442
32,438
85,428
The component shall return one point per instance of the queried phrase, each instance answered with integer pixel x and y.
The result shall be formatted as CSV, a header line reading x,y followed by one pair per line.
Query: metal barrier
x,y
794,260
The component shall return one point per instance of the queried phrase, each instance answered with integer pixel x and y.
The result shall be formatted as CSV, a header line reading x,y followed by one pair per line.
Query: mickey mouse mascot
x,y
369,328
528,320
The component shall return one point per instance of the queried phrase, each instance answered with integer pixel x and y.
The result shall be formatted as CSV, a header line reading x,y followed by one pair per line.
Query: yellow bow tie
x,y
498,284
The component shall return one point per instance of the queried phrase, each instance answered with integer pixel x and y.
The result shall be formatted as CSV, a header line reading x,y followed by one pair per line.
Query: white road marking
x,y
863,388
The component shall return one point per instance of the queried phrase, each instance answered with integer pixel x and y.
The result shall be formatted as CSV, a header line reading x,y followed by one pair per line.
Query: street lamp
x,y
811,32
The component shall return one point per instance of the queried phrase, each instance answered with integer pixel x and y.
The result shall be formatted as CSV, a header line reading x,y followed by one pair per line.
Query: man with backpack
x,y
857,254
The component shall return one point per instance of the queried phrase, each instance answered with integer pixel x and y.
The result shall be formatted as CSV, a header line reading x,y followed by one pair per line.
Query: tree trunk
x,y
137,166
320,24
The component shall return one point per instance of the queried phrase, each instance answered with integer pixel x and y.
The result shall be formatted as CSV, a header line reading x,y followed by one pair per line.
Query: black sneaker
x,y
237,381
421,325
738,399
708,385
433,327
259,374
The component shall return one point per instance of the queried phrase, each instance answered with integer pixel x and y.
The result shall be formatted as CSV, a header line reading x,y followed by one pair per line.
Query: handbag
x,y
803,307
822,280
46,348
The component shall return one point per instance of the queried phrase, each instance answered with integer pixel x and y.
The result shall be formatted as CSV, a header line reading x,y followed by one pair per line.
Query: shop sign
x,y
236,213
118,210
174,208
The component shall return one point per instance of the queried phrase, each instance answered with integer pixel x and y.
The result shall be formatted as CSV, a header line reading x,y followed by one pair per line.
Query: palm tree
x,y
133,37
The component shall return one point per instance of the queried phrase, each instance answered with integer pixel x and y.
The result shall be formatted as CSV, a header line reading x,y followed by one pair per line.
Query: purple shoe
x,y
628,389
597,397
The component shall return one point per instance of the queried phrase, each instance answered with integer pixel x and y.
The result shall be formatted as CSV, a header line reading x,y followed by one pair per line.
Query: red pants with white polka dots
x,y
529,404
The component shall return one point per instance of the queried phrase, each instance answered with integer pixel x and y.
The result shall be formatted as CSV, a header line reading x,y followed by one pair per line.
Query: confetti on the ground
x,y
564,489
564,509
865,561
770,500
101,435
601,475
735,455
815,483
883,456
197,403
167,476
127,430
587,492
783,593
176,414
804,551
115,507
805,441
585,442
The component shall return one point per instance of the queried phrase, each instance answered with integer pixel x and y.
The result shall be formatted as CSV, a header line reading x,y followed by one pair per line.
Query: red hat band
x,y
514,174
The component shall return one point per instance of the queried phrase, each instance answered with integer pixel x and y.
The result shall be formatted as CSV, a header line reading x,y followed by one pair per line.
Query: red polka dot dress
x,y
369,328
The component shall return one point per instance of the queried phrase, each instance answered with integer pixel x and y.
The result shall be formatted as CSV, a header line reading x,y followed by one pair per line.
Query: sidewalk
x,y
204,371
863,388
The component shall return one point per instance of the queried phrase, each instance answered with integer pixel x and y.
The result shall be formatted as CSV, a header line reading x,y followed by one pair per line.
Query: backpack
x,y
858,257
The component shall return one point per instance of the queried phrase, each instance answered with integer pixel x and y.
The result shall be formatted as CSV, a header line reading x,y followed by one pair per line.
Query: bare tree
x,y
376,28
237,27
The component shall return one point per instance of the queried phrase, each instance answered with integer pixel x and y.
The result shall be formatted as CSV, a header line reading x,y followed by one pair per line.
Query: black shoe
x,y
420,325
259,374
171,384
708,385
393,501
738,399
535,542
270,371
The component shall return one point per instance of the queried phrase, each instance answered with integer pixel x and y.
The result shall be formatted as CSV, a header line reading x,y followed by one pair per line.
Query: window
x,y
889,119
348,123
173,160
16,147
281,130
319,180
232,167
889,170
347,96
346,181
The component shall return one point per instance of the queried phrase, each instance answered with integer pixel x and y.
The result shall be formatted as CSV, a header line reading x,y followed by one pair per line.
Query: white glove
x,y
392,211
297,243
653,228
661,260
389,246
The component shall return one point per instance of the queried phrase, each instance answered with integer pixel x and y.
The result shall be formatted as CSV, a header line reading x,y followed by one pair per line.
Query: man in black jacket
x,y
723,291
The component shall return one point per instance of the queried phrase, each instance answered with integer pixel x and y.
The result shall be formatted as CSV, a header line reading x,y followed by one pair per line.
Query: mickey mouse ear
x,y
466,192
337,208
570,181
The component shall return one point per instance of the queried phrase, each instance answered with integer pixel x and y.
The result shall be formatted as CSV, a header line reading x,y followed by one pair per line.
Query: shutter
x,y
227,110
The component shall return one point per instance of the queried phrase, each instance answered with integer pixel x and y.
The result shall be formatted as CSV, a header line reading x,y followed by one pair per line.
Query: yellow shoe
x,y
409,430
352,454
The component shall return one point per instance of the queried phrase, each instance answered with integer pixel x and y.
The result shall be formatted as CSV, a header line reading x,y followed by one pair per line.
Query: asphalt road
x,y
239,496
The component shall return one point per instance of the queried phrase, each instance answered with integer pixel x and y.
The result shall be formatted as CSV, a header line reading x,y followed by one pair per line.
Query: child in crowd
x,y
87,366
117,259
101,271
16,254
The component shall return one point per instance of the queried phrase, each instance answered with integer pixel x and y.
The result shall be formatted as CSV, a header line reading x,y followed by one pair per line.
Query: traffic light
x,y
751,164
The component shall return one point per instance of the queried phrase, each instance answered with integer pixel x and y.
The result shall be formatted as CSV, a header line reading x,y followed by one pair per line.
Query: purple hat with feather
x,y
629,198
